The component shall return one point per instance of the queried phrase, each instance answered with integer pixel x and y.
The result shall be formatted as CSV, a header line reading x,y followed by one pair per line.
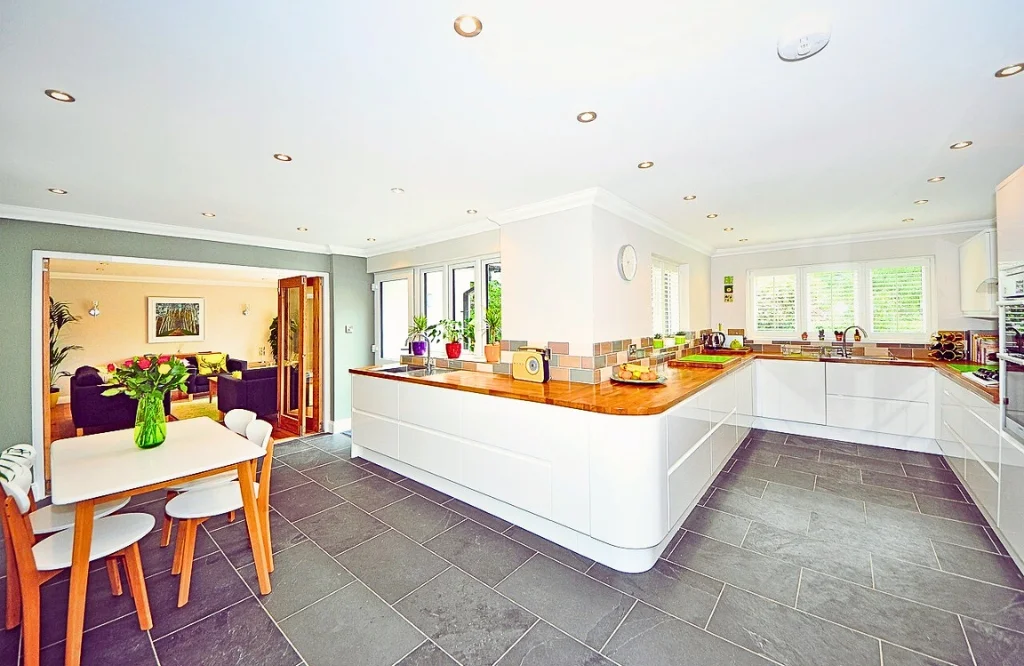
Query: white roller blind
x,y
831,299
774,302
898,299
665,296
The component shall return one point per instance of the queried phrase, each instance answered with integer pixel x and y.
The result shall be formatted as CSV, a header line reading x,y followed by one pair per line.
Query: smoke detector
x,y
804,38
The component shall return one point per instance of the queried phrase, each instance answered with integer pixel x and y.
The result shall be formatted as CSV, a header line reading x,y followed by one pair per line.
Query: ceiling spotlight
x,y
921,202
303,229
471,211
372,240
209,215
645,165
712,216
689,197
57,190
59,95
397,190
960,145
908,219
936,179
727,229
468,26
1010,71
587,117
743,240
281,157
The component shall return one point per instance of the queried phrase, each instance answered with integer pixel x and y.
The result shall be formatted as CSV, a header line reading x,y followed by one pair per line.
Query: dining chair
x,y
16,467
193,508
112,536
237,419
261,436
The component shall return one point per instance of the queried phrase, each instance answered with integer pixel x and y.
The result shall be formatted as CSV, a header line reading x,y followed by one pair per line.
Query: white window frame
x,y
378,278
681,271
863,306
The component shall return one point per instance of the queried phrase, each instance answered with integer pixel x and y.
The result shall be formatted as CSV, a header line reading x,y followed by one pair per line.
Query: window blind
x,y
775,302
897,299
831,300
665,297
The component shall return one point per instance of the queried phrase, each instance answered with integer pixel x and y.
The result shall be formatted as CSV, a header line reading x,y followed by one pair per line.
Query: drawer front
x,y
952,448
376,396
436,409
982,440
911,419
1011,496
983,486
687,479
431,451
723,443
375,433
882,382
519,480
688,422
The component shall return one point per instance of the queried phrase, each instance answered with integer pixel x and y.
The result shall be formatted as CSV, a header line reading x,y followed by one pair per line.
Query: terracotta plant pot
x,y
453,349
492,353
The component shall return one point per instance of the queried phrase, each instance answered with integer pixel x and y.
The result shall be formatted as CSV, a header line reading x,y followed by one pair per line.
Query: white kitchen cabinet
x,y
896,382
978,287
983,485
893,417
1010,217
375,433
1011,495
895,400
744,401
790,390
951,417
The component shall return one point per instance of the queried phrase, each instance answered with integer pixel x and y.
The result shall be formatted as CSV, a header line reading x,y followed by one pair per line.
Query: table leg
x,y
79,582
255,525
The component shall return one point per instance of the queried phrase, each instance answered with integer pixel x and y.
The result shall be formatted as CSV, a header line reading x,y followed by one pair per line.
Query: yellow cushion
x,y
212,364
237,374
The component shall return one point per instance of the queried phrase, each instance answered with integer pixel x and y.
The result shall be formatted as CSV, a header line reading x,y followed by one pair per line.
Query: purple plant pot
x,y
419,347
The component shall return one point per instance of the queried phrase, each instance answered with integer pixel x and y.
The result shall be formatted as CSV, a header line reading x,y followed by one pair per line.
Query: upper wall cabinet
x,y
1010,217
978,278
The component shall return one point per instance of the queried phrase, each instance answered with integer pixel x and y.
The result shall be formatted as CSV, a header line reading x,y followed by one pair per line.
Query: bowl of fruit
x,y
630,373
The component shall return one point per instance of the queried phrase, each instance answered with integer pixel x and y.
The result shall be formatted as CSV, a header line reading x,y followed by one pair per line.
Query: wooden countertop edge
x,y
682,384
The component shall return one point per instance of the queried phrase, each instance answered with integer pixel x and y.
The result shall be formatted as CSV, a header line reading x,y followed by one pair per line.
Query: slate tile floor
x,y
803,552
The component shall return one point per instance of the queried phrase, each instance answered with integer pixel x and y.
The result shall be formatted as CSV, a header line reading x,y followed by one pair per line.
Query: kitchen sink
x,y
414,371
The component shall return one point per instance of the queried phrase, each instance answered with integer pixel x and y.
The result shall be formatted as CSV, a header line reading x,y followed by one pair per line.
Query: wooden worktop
x,y
623,400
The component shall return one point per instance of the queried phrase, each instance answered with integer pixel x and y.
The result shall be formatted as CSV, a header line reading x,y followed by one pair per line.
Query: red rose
x,y
144,364
128,363
111,367
164,359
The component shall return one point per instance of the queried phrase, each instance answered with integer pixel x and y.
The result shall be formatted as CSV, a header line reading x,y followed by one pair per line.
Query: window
x,y
492,313
889,299
433,296
392,317
665,296
463,302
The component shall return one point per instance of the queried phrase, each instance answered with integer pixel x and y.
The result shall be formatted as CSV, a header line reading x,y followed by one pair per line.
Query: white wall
x,y
488,242
944,248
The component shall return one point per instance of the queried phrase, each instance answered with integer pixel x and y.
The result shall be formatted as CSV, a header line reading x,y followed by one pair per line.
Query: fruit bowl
x,y
641,382
631,373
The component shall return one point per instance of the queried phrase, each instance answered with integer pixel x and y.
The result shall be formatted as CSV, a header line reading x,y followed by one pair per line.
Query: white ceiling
x,y
181,105
82,269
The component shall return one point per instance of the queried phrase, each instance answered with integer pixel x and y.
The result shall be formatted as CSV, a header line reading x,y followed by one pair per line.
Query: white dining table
x,y
93,469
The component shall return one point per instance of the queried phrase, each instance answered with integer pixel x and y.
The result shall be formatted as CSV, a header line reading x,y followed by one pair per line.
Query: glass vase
x,y
150,421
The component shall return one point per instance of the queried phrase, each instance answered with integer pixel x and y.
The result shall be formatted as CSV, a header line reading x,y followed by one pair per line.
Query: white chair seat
x,y
208,502
208,482
53,518
109,535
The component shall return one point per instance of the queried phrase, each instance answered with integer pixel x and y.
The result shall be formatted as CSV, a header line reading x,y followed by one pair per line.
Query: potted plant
x,y
658,341
492,350
680,338
418,335
146,379
452,332
60,316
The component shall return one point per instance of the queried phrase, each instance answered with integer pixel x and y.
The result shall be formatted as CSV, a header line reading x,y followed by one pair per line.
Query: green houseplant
x,y
452,332
658,341
492,350
272,338
60,316
146,379
418,335
680,338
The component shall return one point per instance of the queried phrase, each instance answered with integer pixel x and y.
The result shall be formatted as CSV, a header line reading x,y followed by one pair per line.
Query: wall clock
x,y
627,262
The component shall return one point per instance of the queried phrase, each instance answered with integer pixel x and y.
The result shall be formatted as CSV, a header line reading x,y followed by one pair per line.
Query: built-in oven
x,y
1012,388
1011,349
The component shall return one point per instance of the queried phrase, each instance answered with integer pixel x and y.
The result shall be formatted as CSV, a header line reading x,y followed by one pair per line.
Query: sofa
x,y
256,391
92,411
198,383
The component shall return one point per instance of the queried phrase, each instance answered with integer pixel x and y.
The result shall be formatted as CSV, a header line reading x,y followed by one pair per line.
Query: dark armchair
x,y
93,411
198,383
255,391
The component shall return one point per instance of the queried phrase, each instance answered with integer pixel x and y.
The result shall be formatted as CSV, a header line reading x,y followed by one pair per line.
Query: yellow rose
x,y
164,368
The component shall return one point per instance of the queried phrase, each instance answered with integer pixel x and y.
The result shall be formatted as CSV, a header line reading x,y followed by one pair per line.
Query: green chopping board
x,y
969,367
709,358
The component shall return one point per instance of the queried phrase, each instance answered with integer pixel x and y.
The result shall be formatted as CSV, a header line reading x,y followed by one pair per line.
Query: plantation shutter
x,y
664,297
775,303
897,299
831,299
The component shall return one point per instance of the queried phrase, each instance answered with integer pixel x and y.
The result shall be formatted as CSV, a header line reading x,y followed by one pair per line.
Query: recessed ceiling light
x,y
281,157
209,214
468,26
645,165
689,197
921,202
743,240
936,179
59,95
587,117
57,190
727,229
1010,71
908,219
302,229
397,190
712,216
960,145
471,211
372,240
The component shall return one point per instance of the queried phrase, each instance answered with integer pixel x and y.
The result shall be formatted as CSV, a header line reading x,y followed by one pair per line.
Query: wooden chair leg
x,y
30,622
231,516
114,573
79,432
179,546
13,584
137,583
266,540
190,527
165,531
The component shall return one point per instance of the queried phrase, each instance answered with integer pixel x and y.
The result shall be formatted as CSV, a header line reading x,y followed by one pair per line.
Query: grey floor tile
x,y
425,491
922,526
302,575
980,565
479,551
717,525
776,474
332,443
823,503
391,565
418,518
285,478
765,511
543,645
335,474
234,539
930,473
878,539
825,445
744,568
215,586
860,462
384,472
480,516
648,637
775,448
427,654
981,601
787,635
993,645
898,455
912,485
228,637
372,493
707,493
740,484
996,543
306,459
351,626
157,560
755,454
966,513
911,625
552,550
340,528
893,655
678,591
837,559
874,494
820,469
471,622
118,643
578,605
766,435
302,501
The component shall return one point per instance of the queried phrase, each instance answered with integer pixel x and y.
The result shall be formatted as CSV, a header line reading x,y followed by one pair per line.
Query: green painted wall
x,y
350,295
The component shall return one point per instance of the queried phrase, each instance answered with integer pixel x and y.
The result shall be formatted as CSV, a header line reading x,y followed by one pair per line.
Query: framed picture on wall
x,y
174,319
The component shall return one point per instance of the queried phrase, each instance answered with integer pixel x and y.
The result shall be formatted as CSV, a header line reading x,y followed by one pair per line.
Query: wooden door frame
x,y
303,424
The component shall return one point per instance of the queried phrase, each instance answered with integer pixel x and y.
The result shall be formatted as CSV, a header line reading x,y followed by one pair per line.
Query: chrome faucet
x,y
847,351
430,360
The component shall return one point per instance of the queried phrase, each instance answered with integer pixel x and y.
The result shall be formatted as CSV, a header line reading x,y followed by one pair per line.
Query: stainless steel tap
x,y
429,366
847,350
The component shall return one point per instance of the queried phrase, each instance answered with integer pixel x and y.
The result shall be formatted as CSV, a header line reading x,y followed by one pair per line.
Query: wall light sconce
x,y
245,310
95,310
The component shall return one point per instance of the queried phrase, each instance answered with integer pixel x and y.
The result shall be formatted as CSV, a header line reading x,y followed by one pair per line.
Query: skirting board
x,y
920,444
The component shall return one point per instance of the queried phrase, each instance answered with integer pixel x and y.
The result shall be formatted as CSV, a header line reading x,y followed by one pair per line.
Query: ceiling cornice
x,y
430,238
153,279
867,237
619,206
157,229
555,205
